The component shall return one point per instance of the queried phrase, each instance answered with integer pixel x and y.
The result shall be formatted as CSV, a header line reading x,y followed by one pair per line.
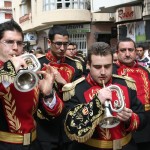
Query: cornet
x,y
110,121
27,79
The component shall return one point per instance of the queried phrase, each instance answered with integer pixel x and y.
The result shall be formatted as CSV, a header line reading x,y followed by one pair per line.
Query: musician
x,y
17,126
127,65
87,106
70,52
65,69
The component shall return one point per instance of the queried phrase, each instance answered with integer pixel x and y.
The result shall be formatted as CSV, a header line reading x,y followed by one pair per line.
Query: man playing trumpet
x,y
17,126
87,124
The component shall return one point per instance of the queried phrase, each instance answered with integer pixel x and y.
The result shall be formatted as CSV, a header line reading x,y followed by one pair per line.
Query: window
x,y
24,10
8,16
49,5
7,4
64,4
80,40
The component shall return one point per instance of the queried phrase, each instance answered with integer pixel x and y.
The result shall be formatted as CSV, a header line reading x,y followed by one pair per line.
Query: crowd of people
x,y
97,102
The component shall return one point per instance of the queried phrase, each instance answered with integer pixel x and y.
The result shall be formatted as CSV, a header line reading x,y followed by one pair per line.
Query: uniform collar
x,y
52,58
1,64
135,65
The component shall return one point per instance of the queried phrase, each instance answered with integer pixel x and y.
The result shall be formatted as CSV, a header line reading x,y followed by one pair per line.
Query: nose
x,y
15,45
127,53
62,47
102,70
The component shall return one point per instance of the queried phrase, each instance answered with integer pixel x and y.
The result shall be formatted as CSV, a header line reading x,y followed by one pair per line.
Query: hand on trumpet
x,y
18,63
46,84
125,114
104,94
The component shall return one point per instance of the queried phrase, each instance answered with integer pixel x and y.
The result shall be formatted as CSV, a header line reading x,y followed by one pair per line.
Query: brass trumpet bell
x,y
110,121
27,79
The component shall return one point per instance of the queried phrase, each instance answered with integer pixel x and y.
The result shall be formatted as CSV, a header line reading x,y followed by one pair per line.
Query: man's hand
x,y
58,78
125,114
46,84
18,62
104,94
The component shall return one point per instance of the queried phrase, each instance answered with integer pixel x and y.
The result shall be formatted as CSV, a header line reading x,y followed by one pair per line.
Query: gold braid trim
x,y
69,89
129,81
82,120
10,107
85,137
7,73
78,63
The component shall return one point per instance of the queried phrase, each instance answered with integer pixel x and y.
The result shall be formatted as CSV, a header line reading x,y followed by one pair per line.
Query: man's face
x,y
140,52
101,68
11,44
126,53
70,51
75,50
59,45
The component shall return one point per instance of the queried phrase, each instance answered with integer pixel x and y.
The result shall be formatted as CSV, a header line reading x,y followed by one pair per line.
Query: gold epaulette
x,y
69,89
81,58
7,72
129,81
78,63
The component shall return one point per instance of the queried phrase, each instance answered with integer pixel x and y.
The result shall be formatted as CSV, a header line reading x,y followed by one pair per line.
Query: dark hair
x,y
127,39
61,30
71,43
140,46
99,48
10,25
39,48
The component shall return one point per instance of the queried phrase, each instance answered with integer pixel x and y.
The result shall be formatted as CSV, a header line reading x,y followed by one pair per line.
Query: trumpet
x,y
27,79
110,121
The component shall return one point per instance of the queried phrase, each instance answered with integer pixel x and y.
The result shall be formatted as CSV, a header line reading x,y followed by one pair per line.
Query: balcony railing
x,y
24,18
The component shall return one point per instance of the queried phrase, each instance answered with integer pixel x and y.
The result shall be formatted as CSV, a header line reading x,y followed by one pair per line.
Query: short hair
x,y
10,25
61,30
99,48
140,46
126,39
39,48
71,43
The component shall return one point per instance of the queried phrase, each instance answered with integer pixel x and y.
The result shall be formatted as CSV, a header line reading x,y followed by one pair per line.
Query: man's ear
x,y
49,42
88,65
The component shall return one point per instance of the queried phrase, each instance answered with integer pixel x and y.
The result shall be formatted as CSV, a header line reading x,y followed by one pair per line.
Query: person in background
x,y
70,53
41,56
127,65
75,48
66,70
32,51
70,50
141,58
115,55
86,109
17,124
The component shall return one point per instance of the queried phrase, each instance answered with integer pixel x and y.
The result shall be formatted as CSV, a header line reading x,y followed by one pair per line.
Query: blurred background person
x,y
41,56
127,65
141,58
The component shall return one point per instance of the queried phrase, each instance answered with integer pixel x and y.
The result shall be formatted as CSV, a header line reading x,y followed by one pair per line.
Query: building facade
x,y
5,10
36,17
